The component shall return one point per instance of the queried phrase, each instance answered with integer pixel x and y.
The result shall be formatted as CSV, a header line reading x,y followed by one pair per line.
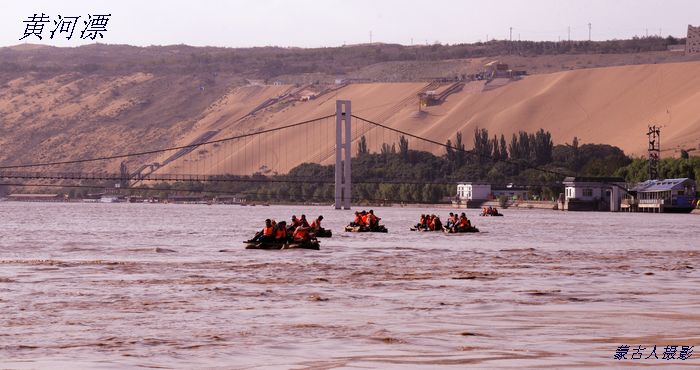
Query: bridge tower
x,y
654,151
343,154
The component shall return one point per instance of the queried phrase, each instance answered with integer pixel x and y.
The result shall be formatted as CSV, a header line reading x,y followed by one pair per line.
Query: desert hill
x,y
116,99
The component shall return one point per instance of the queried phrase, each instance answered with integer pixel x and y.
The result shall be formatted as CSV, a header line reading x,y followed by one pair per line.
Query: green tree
x,y
403,147
504,148
496,149
362,146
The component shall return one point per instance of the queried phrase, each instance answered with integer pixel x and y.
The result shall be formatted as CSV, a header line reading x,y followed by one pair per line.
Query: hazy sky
x,y
313,23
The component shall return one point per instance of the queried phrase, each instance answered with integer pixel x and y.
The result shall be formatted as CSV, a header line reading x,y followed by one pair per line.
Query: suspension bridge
x,y
261,156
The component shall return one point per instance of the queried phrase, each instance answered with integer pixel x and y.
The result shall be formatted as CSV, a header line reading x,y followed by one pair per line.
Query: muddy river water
x,y
156,285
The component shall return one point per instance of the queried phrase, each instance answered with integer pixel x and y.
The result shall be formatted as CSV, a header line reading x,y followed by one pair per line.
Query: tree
x,y
386,149
403,147
542,147
514,147
449,151
496,149
483,147
460,152
362,146
504,148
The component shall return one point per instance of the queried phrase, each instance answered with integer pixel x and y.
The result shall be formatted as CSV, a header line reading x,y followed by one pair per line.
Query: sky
x,y
321,23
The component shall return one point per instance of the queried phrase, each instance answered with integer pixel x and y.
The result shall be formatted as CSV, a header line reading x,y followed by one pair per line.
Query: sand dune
x,y
606,105
76,116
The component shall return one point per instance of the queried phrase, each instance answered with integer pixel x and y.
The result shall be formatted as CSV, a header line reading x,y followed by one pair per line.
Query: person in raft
x,y
294,224
422,223
316,224
303,222
464,223
281,232
435,223
301,234
358,220
450,221
267,234
372,220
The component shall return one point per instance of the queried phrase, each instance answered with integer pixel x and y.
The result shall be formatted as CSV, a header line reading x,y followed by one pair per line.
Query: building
x,y
692,42
667,195
592,194
473,191
472,194
512,192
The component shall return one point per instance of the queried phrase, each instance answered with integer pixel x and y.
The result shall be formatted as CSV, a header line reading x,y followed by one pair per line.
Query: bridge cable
x,y
156,151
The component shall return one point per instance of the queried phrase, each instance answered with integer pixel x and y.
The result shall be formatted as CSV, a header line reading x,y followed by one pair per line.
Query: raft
x,y
313,244
364,229
424,230
471,229
323,233
488,215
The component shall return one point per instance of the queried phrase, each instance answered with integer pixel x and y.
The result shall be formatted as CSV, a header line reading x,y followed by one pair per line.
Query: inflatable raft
x,y
419,229
470,229
323,233
313,244
364,229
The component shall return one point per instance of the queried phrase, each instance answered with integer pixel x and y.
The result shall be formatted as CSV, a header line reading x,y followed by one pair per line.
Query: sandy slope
x,y
606,105
73,116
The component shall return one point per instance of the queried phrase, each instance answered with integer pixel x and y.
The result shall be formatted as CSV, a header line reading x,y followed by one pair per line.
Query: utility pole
x,y
654,134
370,37
647,32
589,31
510,44
568,29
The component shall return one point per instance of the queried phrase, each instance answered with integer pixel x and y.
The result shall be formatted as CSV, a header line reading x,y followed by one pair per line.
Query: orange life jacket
x,y
365,219
301,233
281,234
358,219
316,224
464,222
268,230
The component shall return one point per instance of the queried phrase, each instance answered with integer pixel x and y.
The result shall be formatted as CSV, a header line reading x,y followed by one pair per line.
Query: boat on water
x,y
445,230
470,229
312,244
422,230
365,229
323,233
491,215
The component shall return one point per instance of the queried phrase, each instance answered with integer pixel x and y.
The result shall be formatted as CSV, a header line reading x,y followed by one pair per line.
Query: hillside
x,y
103,105
605,105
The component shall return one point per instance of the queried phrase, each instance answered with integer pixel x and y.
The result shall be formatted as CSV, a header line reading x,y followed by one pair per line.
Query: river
x,y
162,285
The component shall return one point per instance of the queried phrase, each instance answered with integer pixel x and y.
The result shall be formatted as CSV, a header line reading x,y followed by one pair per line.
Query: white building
x,y
593,193
473,191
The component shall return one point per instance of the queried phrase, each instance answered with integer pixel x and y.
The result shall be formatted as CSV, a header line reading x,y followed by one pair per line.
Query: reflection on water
x,y
145,285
